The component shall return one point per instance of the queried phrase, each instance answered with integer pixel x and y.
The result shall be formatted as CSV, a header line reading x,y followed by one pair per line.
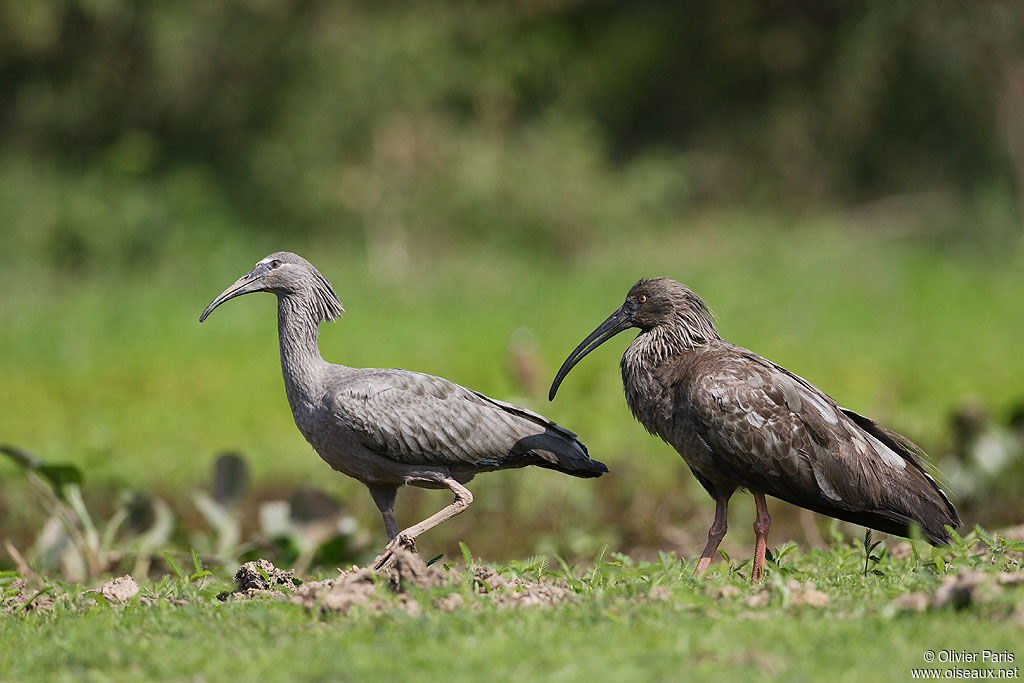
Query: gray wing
x,y
774,432
421,419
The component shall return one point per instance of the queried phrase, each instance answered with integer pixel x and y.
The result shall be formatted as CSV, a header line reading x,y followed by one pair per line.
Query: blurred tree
x,y
370,117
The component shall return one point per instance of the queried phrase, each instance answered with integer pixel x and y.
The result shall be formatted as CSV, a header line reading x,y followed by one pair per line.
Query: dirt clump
x,y
962,590
660,593
20,597
449,603
409,569
408,573
487,580
725,592
794,594
806,594
262,575
761,598
359,587
353,587
119,590
519,592
911,602
12,596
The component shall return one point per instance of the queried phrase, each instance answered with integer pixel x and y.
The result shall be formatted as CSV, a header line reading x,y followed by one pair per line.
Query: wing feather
x,y
774,432
420,419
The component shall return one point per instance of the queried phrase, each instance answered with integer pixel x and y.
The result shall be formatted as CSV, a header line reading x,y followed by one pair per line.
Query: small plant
x,y
467,555
71,537
188,586
533,567
869,556
998,545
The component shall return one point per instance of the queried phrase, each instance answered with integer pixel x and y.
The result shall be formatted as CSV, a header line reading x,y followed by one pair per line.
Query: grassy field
x,y
112,372
825,615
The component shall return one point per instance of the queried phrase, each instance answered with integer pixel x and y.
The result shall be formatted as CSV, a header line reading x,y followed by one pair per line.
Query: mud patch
x,y
396,588
449,603
409,569
260,579
806,594
119,590
262,575
725,592
793,594
18,596
358,586
518,592
911,602
354,587
963,590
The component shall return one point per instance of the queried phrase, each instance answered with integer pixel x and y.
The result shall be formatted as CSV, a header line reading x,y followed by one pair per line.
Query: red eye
x,y
642,299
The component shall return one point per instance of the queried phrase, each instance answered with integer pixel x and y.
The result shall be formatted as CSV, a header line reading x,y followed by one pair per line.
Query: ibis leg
x,y
762,522
716,533
407,537
384,497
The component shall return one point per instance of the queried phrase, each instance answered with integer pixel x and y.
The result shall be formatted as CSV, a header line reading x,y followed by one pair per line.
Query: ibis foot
x,y
387,556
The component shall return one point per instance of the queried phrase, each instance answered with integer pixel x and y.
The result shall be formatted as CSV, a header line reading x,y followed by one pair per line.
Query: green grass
x,y
628,621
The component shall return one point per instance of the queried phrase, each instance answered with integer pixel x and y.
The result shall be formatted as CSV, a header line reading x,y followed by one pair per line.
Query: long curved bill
x,y
619,321
246,284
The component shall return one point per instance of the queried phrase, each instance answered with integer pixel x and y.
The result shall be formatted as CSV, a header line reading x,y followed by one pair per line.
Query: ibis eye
x,y
275,264
642,299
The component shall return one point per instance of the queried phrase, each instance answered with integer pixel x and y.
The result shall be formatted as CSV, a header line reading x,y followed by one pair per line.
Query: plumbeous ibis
x,y
740,420
388,428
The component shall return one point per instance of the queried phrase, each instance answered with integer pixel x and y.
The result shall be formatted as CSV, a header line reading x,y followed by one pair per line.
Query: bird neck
x,y
654,346
301,363
643,372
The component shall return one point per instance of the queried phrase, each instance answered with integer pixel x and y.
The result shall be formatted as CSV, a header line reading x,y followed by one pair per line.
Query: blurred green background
x,y
482,182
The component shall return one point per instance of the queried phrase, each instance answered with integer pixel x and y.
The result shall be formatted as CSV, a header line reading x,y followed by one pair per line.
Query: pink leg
x,y
716,533
762,522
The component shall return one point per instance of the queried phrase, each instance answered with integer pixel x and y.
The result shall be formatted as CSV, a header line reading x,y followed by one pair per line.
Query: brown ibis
x,y
741,421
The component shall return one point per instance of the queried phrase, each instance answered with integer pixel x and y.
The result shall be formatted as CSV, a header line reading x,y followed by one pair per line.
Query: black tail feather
x,y
887,521
554,450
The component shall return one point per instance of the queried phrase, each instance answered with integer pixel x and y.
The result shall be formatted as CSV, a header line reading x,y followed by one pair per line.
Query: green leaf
x,y
985,537
174,566
569,574
21,457
60,476
467,556
196,563
739,568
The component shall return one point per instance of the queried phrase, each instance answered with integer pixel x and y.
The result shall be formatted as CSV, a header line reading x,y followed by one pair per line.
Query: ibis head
x,y
651,303
285,274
